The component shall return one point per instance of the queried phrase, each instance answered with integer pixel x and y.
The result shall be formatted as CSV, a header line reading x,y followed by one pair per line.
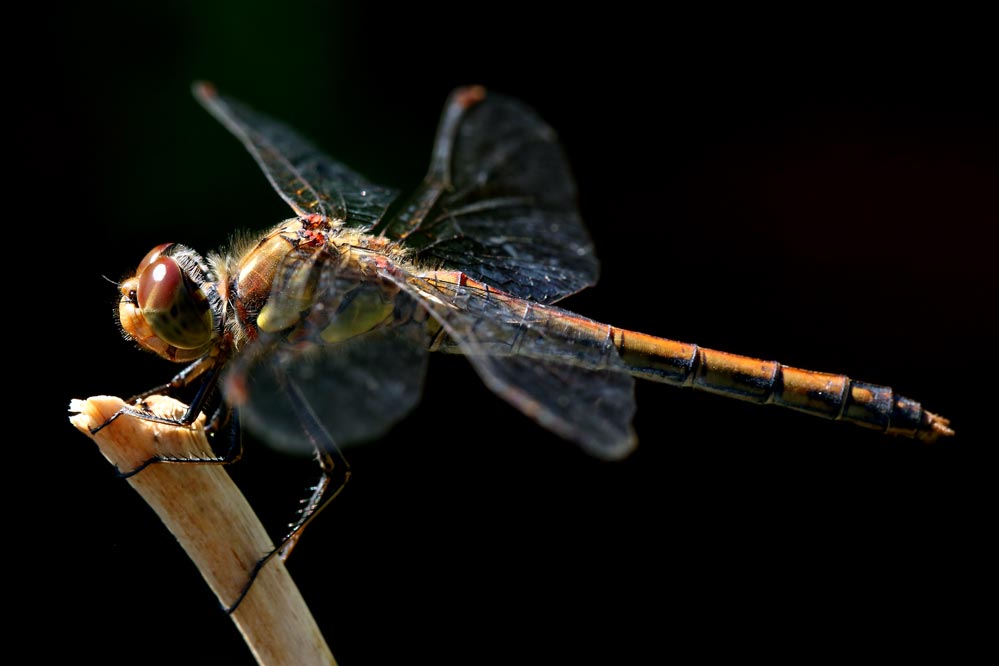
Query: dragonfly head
x,y
167,306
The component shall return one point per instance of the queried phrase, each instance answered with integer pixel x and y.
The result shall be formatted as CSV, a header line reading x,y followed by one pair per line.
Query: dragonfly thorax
x,y
302,267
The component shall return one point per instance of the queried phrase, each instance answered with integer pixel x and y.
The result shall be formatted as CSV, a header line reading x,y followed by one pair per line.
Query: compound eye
x,y
152,256
172,306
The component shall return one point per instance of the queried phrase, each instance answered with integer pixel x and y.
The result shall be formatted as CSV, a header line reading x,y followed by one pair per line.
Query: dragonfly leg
x,y
182,379
186,377
334,475
318,499
223,418
229,418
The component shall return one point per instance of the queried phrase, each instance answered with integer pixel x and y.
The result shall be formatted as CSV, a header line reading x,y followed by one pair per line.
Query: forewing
x,y
552,365
357,386
306,178
503,203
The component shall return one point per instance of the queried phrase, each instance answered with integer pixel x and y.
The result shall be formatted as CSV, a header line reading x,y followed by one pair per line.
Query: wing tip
x,y
615,451
204,90
468,96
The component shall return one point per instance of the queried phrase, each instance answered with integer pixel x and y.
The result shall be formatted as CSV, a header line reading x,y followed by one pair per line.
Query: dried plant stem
x,y
211,519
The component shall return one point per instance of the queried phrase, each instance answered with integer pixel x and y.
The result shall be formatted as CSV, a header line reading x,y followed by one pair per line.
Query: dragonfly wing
x,y
536,358
499,202
304,176
357,375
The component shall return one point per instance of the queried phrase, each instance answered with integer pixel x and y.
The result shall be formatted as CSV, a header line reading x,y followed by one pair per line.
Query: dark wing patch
x,y
499,203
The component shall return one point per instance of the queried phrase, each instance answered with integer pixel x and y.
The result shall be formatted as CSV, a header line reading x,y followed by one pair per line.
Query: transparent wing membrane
x,y
354,351
499,203
553,366
306,178
358,388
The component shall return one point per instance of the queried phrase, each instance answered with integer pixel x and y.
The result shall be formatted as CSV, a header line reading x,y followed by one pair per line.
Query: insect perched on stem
x,y
318,331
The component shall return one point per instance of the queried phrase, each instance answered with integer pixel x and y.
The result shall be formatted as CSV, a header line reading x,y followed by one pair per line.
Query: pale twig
x,y
214,524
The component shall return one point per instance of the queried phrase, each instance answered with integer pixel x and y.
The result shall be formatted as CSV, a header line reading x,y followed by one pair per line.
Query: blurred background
x,y
823,195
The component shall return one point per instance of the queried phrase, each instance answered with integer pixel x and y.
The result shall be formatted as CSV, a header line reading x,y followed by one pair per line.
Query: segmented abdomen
x,y
823,394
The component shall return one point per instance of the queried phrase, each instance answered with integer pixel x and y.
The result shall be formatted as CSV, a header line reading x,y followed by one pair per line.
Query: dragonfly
x,y
318,330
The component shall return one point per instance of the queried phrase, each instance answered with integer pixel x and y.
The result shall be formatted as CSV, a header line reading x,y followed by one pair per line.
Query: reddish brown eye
x,y
159,281
176,311
151,256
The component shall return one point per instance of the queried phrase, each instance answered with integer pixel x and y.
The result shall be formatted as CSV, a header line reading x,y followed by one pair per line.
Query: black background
x,y
821,190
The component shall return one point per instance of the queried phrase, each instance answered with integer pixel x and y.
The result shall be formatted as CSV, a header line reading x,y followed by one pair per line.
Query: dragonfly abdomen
x,y
822,394
835,397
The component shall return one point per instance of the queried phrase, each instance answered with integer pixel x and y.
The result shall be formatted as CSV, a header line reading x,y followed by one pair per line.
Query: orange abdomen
x,y
823,394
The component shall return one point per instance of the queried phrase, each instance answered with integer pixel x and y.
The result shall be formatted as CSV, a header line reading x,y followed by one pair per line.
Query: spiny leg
x,y
223,417
334,475
182,379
